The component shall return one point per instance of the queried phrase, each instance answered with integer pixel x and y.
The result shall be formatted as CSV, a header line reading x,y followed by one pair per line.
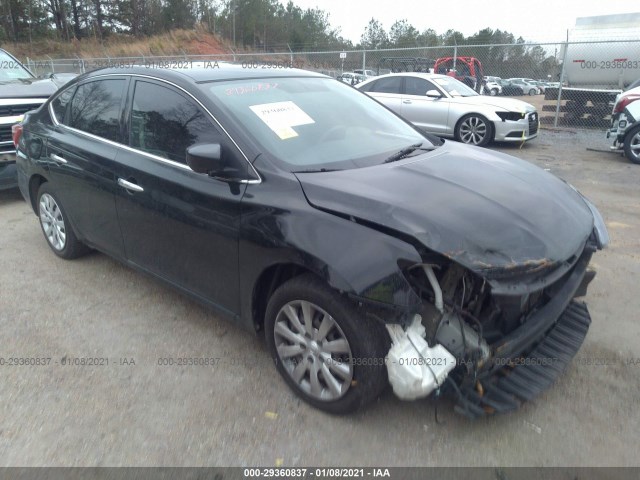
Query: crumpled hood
x,y
28,89
508,104
483,209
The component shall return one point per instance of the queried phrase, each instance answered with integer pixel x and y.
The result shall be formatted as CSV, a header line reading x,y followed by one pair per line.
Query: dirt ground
x,y
136,412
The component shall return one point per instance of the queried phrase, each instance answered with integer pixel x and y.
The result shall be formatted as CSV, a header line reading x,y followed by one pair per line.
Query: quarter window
x,y
60,103
165,123
95,108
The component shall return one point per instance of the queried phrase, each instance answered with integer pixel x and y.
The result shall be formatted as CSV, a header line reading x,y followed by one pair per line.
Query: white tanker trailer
x,y
601,58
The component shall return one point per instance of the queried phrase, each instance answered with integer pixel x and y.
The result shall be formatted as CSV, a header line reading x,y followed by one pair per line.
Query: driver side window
x,y
165,123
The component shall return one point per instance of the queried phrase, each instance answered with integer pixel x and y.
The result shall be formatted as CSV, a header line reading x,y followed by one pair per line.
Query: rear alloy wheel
x,y
328,353
493,92
532,92
55,225
632,145
474,129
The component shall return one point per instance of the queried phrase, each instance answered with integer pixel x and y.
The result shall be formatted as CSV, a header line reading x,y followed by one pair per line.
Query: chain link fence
x,y
571,84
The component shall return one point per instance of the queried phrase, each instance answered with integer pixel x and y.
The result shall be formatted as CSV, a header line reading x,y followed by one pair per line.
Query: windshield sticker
x,y
286,132
281,116
256,87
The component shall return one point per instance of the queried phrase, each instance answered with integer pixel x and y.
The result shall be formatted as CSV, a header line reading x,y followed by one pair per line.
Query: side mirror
x,y
205,158
433,94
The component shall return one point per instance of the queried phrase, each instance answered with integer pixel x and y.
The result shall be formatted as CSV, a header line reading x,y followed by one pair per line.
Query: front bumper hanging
x,y
524,378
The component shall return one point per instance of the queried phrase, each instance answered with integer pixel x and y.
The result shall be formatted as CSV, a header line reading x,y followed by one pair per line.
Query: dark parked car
x,y
308,212
20,91
511,89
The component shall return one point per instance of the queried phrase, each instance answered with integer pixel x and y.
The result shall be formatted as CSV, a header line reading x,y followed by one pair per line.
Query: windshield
x,y
314,123
11,69
454,87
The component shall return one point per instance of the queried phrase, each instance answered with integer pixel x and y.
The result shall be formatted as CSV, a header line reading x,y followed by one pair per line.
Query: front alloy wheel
x,y
474,130
313,350
327,351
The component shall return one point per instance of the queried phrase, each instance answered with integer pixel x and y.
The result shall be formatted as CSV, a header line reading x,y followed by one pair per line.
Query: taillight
x,y
623,102
16,133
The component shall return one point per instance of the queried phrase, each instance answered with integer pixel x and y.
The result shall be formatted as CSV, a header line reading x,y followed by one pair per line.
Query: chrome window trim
x,y
150,155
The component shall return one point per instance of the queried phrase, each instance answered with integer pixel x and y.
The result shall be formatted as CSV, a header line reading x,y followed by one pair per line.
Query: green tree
x,y
374,36
403,34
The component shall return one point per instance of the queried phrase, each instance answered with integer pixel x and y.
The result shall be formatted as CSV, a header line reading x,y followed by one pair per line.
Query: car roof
x,y
426,76
203,72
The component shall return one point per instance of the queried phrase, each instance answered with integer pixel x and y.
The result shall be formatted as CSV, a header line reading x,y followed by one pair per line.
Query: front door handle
x,y
406,101
132,187
58,159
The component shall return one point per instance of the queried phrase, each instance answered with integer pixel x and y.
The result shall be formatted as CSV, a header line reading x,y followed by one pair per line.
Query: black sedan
x,y
511,89
303,209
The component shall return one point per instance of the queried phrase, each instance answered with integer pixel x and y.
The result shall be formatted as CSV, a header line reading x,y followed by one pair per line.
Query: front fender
x,y
362,262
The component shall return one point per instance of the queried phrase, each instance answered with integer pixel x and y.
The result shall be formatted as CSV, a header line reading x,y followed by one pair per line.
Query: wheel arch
x,y
268,282
35,182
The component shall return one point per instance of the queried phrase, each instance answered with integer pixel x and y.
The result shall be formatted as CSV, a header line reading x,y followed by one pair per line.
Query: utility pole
x,y
234,23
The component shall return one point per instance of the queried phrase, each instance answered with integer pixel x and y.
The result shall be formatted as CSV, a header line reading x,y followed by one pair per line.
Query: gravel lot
x,y
239,412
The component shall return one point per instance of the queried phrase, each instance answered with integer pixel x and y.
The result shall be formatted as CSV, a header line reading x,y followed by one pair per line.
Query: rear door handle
x,y
58,159
131,187
406,101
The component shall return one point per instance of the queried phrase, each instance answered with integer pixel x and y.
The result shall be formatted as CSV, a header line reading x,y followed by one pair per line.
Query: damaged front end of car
x,y
493,337
504,249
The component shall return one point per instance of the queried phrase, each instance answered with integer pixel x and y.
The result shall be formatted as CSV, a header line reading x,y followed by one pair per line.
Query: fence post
x,y
51,62
564,58
80,63
455,56
290,54
364,61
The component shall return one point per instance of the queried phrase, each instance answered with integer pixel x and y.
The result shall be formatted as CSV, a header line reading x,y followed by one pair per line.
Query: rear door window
x,y
96,108
388,85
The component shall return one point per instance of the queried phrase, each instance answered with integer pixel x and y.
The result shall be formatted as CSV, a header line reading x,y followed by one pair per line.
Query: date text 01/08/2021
x,y
316,472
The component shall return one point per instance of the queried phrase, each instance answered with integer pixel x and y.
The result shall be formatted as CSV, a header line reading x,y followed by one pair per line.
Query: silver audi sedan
x,y
446,107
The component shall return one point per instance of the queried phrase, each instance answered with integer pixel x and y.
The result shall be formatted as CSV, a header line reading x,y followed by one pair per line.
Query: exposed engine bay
x,y
489,335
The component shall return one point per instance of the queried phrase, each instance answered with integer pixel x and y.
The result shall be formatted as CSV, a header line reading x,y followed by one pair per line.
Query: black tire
x,y
493,92
367,341
474,129
632,144
532,92
60,237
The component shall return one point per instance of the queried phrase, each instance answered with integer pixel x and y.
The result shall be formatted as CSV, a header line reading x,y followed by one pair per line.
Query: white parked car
x,y
366,73
492,88
446,107
351,78
626,131
625,117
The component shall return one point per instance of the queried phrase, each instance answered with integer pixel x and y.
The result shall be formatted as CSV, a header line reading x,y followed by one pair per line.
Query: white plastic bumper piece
x,y
415,369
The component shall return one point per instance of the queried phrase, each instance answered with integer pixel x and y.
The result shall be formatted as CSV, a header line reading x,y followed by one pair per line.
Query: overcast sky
x,y
534,20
